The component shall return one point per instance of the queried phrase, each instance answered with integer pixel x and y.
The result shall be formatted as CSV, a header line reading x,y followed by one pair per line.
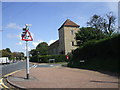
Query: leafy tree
x,y
95,22
21,55
42,48
88,33
18,55
33,52
6,53
111,23
105,24
0,53
8,50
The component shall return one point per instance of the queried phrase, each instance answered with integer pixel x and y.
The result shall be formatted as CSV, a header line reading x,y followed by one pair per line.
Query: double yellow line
x,y
2,85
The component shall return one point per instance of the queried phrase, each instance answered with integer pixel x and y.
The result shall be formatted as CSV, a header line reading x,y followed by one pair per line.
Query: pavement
x,y
62,77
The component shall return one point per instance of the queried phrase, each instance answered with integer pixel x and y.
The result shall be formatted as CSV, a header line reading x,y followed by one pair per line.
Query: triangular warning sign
x,y
27,36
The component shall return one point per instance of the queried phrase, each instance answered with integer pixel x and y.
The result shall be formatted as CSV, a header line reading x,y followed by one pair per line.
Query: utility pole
x,y
26,36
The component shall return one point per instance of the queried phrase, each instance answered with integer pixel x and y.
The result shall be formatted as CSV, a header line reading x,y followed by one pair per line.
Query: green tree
x,y
88,33
21,55
95,22
42,48
105,24
33,52
18,55
111,23
6,52
0,53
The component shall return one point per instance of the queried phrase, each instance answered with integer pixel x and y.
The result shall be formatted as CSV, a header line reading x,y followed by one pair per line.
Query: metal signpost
x,y
26,36
27,61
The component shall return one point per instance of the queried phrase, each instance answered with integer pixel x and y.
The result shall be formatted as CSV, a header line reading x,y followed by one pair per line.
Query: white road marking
x,y
33,66
51,65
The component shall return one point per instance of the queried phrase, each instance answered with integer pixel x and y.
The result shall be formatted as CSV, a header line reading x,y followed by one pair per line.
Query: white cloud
x,y
19,36
13,26
29,49
25,48
36,43
19,43
51,41
12,36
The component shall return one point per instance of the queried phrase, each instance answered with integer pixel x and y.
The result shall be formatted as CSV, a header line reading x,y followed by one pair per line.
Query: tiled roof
x,y
56,43
68,22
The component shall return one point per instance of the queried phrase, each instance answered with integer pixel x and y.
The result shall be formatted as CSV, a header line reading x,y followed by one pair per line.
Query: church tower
x,y
67,42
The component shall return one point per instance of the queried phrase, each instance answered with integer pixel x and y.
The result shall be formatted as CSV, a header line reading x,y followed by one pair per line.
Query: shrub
x,y
45,58
34,58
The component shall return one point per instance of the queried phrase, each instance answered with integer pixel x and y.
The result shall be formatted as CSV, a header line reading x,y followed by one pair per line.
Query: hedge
x,y
45,58
98,55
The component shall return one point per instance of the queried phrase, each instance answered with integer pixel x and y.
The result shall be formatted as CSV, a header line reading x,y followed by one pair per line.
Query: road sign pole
x,y
27,61
26,36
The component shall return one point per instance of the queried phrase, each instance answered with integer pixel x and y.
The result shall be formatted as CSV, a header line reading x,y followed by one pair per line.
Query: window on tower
x,y
72,43
72,32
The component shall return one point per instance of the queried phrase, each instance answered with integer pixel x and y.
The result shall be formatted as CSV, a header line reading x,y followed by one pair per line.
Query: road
x,y
9,68
6,69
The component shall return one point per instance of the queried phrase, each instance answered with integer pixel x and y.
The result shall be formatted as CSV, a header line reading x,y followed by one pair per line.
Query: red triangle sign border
x,y
31,39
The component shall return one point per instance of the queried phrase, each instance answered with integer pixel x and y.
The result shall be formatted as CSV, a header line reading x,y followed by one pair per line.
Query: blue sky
x,y
46,18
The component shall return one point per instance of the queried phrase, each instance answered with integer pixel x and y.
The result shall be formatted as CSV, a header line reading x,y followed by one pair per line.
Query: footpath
x,y
62,77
